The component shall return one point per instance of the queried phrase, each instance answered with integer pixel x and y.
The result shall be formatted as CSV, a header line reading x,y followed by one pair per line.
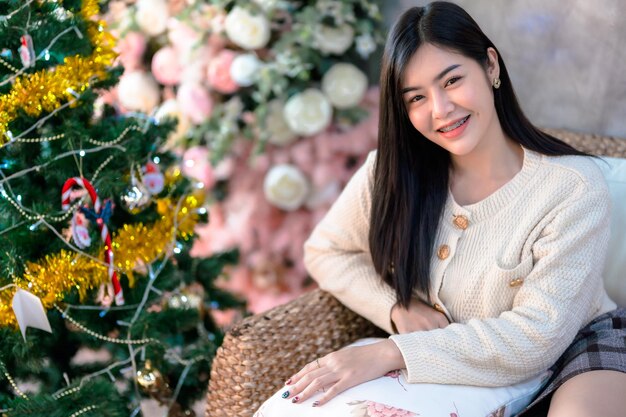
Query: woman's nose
x,y
442,106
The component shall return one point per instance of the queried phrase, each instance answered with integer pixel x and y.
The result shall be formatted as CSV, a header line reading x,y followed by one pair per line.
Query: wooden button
x,y
443,252
461,222
439,308
516,282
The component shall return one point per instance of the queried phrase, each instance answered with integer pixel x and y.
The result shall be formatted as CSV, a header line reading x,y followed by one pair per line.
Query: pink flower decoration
x,y
165,66
131,49
375,409
196,165
215,43
218,74
214,237
270,241
181,36
194,102
303,155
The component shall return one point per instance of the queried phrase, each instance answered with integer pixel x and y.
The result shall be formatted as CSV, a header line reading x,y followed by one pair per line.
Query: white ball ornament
x,y
308,112
344,85
152,16
138,91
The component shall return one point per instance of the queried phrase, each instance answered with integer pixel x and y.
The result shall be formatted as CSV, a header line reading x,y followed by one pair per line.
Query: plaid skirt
x,y
600,345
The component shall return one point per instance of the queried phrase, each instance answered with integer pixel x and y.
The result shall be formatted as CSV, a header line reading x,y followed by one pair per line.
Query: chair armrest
x,y
262,351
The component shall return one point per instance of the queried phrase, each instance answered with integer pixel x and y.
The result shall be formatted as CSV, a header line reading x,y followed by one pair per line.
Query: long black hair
x,y
412,173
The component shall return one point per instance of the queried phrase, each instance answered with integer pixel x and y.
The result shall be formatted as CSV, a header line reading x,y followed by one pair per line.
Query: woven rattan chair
x,y
262,351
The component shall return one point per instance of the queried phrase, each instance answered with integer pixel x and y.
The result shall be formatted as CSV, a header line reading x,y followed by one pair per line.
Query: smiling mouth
x,y
453,126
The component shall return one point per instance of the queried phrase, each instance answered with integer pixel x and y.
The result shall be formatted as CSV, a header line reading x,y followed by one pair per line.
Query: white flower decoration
x,y
365,45
138,91
344,85
286,187
170,108
280,133
309,112
152,16
245,69
267,5
246,30
331,40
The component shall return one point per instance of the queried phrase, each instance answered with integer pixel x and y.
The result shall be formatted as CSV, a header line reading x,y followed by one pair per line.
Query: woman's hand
x,y
419,316
343,369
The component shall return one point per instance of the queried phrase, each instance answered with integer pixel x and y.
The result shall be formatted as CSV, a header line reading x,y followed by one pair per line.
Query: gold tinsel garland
x,y
46,90
134,246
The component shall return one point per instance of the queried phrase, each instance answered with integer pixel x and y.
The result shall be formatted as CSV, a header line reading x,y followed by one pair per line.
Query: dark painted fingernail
x,y
288,381
316,404
286,394
295,399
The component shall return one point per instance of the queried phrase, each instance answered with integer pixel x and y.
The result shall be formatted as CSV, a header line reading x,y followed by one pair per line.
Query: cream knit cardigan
x,y
520,278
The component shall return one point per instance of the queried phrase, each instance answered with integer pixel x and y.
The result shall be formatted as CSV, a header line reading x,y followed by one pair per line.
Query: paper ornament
x,y
29,312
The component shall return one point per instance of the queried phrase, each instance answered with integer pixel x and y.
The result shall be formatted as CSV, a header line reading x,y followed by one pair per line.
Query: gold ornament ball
x,y
149,378
184,301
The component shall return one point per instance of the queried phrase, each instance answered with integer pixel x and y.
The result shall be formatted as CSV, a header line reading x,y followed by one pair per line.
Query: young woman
x,y
476,240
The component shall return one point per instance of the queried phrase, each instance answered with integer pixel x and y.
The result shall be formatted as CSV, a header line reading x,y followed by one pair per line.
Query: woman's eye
x,y
415,99
452,80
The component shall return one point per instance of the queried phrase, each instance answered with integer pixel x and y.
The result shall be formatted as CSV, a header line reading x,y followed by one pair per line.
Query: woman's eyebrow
x,y
437,78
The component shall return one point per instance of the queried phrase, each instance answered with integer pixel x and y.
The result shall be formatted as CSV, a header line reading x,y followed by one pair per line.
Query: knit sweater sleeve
x,y
337,253
555,301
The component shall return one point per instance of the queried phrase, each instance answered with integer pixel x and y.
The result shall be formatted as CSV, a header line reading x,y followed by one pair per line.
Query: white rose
x,y
286,187
247,30
331,40
152,16
279,132
309,112
245,69
138,91
344,85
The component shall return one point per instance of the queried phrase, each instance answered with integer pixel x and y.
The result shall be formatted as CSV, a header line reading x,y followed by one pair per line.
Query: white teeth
x,y
454,126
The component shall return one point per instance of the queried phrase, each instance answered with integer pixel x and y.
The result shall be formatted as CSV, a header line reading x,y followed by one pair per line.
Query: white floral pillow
x,y
392,396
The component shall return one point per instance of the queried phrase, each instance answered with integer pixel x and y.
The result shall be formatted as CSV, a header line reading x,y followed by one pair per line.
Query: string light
x,y
16,11
59,157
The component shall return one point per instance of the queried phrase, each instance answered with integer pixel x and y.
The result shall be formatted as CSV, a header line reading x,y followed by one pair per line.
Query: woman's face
x,y
449,99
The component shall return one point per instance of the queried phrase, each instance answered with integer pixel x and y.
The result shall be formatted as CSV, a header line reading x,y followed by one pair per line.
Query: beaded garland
x,y
134,244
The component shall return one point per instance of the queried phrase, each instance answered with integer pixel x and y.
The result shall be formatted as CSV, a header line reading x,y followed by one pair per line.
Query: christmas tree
x,y
96,224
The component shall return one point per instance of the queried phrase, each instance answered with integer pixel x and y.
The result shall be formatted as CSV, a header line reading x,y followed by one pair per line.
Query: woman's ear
x,y
493,67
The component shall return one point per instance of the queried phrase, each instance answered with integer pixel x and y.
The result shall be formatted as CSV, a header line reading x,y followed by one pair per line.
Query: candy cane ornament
x,y
98,213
